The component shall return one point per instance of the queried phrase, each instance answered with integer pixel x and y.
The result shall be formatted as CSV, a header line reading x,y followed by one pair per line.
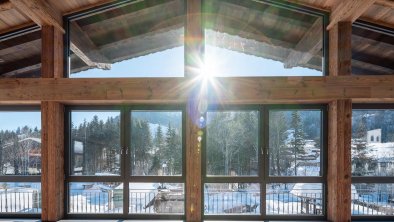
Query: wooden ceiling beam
x,y
83,47
15,67
348,11
307,47
252,90
40,12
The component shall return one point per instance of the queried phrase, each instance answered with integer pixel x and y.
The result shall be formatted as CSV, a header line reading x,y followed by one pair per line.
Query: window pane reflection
x,y
258,39
232,143
138,39
95,143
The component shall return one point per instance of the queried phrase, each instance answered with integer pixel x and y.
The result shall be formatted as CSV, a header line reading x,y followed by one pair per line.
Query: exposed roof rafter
x,y
40,12
348,11
307,47
83,47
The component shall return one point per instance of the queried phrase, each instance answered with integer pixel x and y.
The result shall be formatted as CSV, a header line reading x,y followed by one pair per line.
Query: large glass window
x,y
20,161
156,143
20,54
372,50
126,162
132,39
232,143
250,38
264,162
95,143
232,150
372,160
295,142
295,161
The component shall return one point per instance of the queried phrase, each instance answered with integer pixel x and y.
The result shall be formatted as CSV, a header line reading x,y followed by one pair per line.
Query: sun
x,y
208,69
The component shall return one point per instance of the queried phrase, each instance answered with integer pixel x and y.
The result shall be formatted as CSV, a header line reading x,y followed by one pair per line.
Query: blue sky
x,y
13,120
170,63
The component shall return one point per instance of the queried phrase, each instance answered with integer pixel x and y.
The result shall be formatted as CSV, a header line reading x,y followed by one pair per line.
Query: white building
x,y
374,136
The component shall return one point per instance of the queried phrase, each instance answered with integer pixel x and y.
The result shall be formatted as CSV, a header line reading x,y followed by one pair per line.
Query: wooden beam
x,y
52,53
31,71
5,5
14,68
340,53
82,46
193,161
52,160
194,38
52,112
339,160
150,42
307,47
340,123
40,12
348,11
243,90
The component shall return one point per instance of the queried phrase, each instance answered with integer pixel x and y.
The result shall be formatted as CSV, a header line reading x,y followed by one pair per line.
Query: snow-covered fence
x,y
295,199
94,202
373,201
286,203
232,202
20,201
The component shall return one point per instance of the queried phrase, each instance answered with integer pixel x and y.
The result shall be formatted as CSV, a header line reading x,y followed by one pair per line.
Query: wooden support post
x,y
52,118
194,43
52,178
193,164
340,132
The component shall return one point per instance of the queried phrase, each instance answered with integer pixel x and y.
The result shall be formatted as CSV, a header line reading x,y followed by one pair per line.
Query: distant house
x,y
33,146
27,154
374,136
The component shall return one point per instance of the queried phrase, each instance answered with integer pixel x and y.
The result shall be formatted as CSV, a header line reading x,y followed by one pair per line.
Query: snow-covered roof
x,y
38,140
381,150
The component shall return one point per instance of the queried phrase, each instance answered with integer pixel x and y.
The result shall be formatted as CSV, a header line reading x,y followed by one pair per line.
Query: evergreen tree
x,y
141,145
298,139
279,159
360,159
158,151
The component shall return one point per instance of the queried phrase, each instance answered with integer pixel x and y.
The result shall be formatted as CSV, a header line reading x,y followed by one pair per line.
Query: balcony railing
x,y
286,203
14,201
95,202
370,202
142,202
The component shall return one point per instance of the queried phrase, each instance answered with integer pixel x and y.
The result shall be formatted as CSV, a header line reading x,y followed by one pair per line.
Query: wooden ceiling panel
x,y
70,6
380,13
11,18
